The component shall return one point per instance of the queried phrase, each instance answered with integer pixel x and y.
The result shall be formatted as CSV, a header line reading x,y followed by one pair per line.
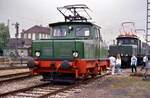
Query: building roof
x,y
20,43
37,29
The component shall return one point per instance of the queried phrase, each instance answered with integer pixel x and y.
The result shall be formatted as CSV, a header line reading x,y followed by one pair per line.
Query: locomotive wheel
x,y
93,75
85,76
99,73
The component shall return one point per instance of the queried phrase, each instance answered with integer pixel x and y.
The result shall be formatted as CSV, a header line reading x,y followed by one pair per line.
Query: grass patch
x,y
133,87
122,82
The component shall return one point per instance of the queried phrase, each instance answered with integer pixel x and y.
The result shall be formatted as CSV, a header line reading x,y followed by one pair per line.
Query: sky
x,y
109,14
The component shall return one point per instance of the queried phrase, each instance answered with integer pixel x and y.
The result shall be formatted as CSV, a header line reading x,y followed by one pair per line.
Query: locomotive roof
x,y
69,23
127,36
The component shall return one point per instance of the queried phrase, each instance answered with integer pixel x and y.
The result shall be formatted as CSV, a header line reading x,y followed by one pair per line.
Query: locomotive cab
x,y
67,38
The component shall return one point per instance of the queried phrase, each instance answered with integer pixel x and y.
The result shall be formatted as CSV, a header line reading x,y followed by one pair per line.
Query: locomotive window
x,y
132,41
59,32
82,31
120,42
126,41
97,33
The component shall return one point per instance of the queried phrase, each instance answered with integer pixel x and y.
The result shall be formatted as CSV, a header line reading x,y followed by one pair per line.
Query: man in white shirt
x,y
118,64
133,63
145,59
147,67
112,64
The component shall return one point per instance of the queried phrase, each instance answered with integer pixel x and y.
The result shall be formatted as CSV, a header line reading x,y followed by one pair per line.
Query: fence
x,y
12,60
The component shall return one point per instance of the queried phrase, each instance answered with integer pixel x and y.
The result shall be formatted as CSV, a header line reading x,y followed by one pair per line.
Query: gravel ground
x,y
117,86
5,87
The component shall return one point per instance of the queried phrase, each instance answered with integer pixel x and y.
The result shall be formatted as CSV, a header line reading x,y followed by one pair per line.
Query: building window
x,y
29,35
47,36
37,36
25,35
33,36
40,36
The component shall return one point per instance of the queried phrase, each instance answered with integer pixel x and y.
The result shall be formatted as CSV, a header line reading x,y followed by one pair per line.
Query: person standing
x,y
21,57
147,67
118,64
112,64
133,64
145,60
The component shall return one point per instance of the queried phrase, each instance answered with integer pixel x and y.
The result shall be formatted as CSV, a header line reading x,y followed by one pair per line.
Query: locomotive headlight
x,y
75,54
121,54
37,53
70,28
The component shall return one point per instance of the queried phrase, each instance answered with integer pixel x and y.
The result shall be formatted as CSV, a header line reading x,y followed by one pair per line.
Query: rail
x,y
46,89
16,76
13,67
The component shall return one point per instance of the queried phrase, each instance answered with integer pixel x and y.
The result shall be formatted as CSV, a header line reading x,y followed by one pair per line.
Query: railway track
x,y
13,67
16,76
44,90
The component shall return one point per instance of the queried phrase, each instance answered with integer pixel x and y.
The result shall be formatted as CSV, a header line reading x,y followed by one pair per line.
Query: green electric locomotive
x,y
75,49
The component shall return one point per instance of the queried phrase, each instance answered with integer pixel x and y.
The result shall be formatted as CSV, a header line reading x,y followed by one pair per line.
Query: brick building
x,y
23,44
36,32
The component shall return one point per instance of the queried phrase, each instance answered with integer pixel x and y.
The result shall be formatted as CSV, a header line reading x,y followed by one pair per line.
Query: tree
x,y
4,35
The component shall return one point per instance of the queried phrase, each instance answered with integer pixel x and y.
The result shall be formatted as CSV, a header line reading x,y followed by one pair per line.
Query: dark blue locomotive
x,y
129,44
